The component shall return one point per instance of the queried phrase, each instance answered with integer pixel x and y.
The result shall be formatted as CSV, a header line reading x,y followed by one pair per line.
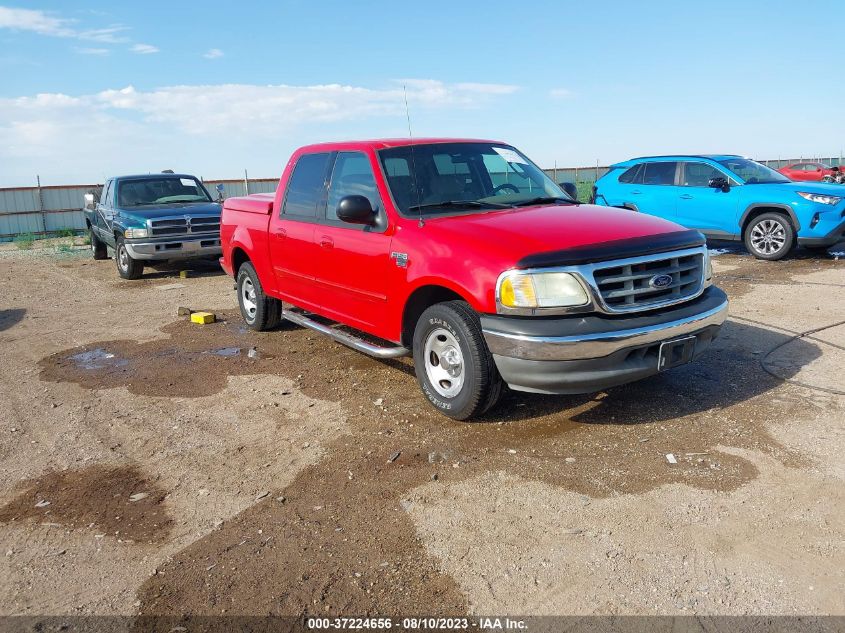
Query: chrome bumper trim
x,y
175,249
599,344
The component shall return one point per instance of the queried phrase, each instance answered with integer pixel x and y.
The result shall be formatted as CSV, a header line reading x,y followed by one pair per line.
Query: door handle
x,y
636,192
326,242
686,196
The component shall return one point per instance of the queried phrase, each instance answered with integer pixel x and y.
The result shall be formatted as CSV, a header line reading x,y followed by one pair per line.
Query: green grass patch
x,y
24,241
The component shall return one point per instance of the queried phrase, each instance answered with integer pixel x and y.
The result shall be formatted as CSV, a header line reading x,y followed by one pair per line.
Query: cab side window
x,y
699,174
352,176
305,187
105,198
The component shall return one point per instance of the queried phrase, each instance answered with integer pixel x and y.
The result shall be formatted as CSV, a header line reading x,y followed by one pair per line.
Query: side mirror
x,y
356,210
221,192
719,183
570,189
89,201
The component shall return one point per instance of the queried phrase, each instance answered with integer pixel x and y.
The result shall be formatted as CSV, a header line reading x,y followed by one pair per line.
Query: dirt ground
x,y
152,466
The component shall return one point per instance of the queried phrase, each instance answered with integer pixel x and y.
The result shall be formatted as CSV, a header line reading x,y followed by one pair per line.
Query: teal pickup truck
x,y
153,217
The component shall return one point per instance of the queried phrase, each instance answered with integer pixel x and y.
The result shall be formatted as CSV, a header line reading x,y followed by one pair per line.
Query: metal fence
x,y
47,210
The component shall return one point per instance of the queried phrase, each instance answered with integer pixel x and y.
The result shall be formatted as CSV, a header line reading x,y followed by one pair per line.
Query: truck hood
x,y
167,210
518,234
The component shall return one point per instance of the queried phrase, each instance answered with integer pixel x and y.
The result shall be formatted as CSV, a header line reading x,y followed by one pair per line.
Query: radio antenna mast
x,y
414,182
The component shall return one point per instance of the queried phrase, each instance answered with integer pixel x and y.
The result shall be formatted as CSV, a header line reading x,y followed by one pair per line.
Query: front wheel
x,y
769,236
453,365
259,311
127,267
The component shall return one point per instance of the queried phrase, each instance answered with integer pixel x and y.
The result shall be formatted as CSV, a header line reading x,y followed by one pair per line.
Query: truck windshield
x,y
138,192
752,172
435,178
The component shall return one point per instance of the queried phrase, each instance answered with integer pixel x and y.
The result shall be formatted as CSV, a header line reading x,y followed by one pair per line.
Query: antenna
x,y
414,180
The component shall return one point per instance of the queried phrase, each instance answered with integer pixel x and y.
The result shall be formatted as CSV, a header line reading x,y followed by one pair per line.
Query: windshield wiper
x,y
543,200
458,204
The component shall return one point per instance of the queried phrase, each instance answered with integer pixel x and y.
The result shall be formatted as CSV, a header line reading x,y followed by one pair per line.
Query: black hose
x,y
795,337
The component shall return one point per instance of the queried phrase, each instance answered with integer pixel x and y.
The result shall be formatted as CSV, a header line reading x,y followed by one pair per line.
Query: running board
x,y
346,338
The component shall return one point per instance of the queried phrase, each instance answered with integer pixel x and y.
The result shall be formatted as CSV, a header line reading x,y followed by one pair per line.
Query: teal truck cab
x,y
153,217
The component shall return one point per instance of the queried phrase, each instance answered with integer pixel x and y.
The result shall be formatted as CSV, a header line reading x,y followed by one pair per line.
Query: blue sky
x,y
96,88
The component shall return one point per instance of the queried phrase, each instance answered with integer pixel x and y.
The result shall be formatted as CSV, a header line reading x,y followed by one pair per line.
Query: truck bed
x,y
261,203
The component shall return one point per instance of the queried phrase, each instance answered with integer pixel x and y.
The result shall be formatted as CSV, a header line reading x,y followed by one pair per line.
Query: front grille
x,y
181,225
628,287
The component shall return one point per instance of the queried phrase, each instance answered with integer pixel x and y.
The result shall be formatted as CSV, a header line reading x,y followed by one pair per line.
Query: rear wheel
x,y
99,250
769,236
127,267
259,311
453,365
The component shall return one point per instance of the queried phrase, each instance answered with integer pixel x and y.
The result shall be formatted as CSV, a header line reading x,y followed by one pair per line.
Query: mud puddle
x,y
112,501
337,541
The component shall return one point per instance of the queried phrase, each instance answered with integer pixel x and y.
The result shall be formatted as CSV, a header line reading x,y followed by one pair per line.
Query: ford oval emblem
x,y
660,281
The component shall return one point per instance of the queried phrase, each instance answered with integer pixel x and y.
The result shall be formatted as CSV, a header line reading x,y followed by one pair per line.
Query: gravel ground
x,y
149,465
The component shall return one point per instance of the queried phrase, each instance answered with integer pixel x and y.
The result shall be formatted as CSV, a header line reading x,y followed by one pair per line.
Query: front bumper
x,y
834,236
584,354
184,248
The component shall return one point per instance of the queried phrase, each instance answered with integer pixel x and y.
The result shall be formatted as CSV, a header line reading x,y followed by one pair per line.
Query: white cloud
x,y
144,49
43,23
560,93
92,51
213,53
35,21
203,127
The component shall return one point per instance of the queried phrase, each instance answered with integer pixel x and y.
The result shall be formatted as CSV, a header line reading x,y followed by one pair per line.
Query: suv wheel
x,y
127,267
259,311
769,236
453,365
99,250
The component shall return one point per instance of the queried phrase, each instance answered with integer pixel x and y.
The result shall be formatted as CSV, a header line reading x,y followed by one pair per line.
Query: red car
x,y
465,255
808,171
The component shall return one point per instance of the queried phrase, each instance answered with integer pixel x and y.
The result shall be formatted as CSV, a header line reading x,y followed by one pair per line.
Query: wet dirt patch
x,y
336,540
9,318
115,501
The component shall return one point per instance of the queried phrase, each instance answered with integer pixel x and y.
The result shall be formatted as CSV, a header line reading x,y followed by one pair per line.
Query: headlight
x,y
821,198
134,233
519,289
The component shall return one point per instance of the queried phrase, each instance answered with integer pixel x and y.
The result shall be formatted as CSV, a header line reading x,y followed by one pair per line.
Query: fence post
x,y
41,205
246,182
555,172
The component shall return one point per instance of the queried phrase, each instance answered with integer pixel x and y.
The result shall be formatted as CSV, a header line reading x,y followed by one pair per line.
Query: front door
x,y
700,206
353,259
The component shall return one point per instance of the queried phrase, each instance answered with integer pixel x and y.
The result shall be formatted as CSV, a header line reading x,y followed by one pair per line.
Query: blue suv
x,y
729,198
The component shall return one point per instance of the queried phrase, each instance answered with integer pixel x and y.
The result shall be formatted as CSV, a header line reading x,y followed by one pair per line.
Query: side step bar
x,y
346,338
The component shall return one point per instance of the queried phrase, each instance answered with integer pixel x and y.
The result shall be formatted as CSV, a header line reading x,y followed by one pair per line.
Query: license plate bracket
x,y
676,352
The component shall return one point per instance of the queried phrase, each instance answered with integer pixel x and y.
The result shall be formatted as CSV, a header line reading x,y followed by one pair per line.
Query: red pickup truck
x,y
467,256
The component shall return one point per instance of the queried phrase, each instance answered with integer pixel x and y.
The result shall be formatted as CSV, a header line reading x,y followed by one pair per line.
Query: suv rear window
x,y
659,174
305,186
634,176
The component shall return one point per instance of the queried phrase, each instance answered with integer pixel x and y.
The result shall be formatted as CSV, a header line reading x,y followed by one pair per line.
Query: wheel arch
x,y
239,258
759,208
422,298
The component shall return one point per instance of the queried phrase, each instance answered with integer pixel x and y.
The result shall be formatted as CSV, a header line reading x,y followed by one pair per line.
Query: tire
x,y
259,311
99,250
769,236
450,332
127,267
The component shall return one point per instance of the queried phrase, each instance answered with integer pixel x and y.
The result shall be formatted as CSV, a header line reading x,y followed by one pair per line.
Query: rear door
x,y
353,259
104,213
293,253
700,206
657,195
